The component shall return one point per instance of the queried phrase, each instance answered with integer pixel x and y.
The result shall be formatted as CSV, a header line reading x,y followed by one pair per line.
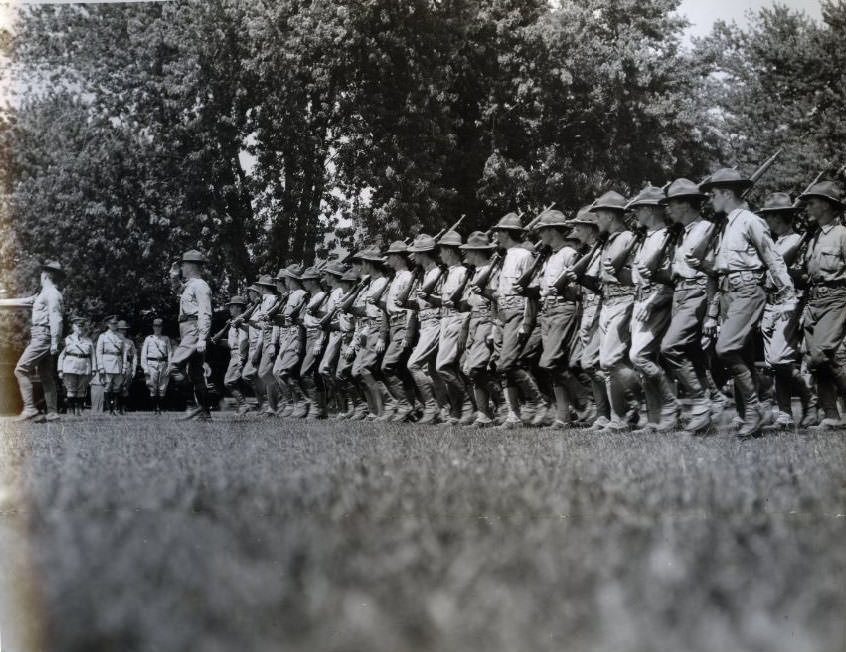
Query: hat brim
x,y
607,207
500,227
737,184
541,225
234,303
469,247
809,195
783,210
54,270
420,250
576,222
646,202
687,195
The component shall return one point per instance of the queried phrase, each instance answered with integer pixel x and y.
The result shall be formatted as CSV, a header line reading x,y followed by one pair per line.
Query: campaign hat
x,y
649,196
422,242
397,247
584,216
194,256
828,190
335,269
372,254
611,200
265,280
237,300
476,241
350,276
553,218
683,189
509,222
53,266
294,271
726,178
310,273
122,325
777,202
450,239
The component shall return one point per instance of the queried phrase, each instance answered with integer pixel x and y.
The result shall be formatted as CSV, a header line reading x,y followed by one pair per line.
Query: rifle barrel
x,y
762,169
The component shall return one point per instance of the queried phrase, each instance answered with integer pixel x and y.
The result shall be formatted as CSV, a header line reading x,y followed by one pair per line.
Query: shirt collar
x,y
733,215
689,227
828,227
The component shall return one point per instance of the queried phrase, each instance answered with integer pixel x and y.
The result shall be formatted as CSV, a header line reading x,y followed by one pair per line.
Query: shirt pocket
x,y
829,259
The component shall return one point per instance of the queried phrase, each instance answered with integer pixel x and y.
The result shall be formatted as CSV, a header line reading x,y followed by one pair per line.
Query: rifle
x,y
482,282
244,316
673,233
619,260
701,250
522,283
795,252
459,291
452,228
580,267
344,304
429,288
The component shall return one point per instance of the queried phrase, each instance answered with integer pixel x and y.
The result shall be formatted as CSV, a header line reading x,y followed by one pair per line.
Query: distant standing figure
x,y
130,363
110,363
76,364
155,358
186,362
47,308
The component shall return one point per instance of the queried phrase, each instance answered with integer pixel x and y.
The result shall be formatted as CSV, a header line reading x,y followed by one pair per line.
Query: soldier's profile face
x,y
234,310
819,210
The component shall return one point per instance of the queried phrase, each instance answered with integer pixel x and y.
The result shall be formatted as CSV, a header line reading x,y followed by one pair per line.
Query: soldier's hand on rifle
x,y
317,348
608,268
709,328
201,345
447,304
380,345
693,261
786,309
643,312
644,271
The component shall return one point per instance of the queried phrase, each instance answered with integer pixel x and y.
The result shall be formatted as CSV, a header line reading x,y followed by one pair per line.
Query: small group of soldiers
x,y
599,323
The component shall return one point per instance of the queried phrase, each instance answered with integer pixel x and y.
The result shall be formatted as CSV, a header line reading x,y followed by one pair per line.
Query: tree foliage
x,y
267,132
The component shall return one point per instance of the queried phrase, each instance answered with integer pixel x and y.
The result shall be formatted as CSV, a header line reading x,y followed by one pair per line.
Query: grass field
x,y
147,534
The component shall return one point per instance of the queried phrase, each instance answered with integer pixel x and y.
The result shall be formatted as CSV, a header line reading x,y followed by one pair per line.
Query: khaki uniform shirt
x,y
313,313
195,301
78,356
47,309
554,266
110,354
617,242
746,246
692,235
517,261
454,281
783,244
649,248
155,350
399,288
826,256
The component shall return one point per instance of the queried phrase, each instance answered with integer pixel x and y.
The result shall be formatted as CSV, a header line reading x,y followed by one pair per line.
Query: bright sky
x,y
703,13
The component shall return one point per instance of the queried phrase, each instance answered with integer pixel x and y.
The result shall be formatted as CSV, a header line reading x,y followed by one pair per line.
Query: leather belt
x,y
484,313
183,318
825,289
398,318
690,283
744,277
77,355
512,302
551,301
156,359
428,314
613,291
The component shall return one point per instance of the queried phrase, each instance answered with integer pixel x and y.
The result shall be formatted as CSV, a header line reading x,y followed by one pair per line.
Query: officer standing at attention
x,y
130,363
155,358
47,307
745,251
76,364
110,362
195,313
825,312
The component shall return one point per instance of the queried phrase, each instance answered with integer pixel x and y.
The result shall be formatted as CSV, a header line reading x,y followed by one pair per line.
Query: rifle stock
x,y
673,232
580,267
243,316
795,252
620,259
484,278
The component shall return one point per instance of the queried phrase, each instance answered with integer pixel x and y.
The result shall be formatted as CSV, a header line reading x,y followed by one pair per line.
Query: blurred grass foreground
x,y
142,534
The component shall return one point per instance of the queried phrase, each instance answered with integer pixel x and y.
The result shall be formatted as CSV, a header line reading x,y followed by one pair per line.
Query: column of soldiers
x,y
602,323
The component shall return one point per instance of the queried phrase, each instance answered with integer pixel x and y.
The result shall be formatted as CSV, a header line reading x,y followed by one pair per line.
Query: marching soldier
x,y
195,313
616,312
263,339
402,323
47,307
681,348
825,311
478,297
559,314
651,275
348,328
155,358
372,331
782,336
111,359
745,251
515,317
311,321
238,343
585,352
286,369
130,363
453,330
330,323
421,362
76,364
255,338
